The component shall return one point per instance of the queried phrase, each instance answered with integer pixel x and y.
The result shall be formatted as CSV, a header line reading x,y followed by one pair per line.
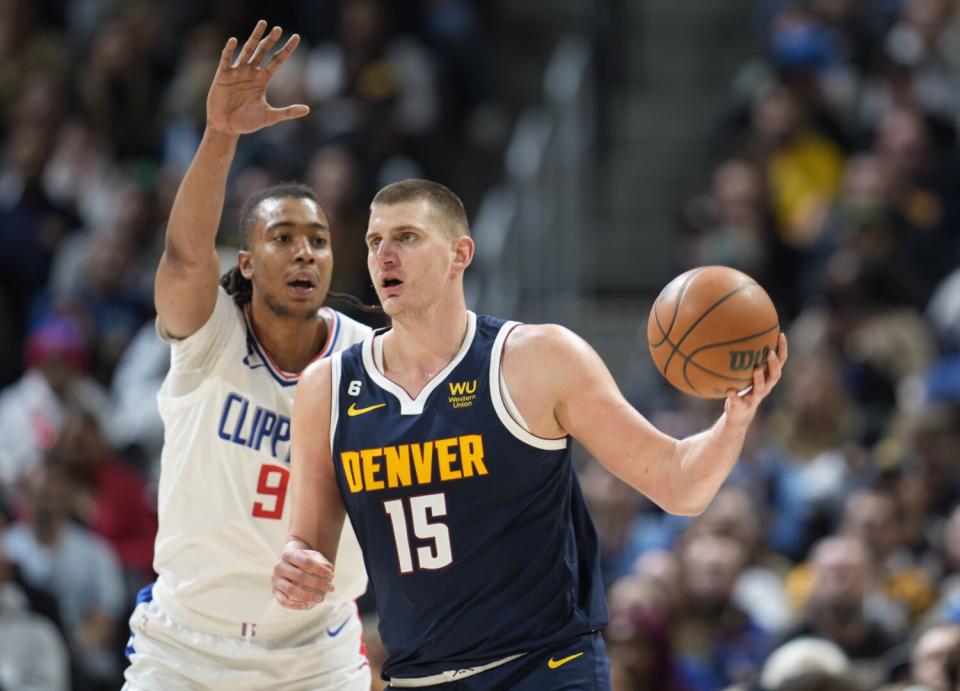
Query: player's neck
x,y
291,341
417,348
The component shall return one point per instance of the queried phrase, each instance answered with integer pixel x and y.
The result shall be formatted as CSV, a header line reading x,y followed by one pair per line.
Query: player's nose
x,y
385,254
303,250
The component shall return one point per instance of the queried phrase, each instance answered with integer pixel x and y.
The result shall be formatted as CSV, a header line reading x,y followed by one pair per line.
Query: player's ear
x,y
463,250
245,262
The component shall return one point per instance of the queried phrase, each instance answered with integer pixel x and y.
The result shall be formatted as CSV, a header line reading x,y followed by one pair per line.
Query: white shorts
x,y
166,656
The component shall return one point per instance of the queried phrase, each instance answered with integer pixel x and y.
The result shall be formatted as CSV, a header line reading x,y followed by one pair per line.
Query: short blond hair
x,y
441,198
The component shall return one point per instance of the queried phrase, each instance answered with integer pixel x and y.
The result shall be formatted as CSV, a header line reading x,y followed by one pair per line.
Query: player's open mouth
x,y
391,282
302,287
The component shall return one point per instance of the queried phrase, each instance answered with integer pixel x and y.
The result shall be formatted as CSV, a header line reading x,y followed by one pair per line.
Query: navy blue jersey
x,y
474,531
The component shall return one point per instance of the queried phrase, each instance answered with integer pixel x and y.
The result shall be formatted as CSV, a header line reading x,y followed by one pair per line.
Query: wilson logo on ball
x,y
708,328
742,360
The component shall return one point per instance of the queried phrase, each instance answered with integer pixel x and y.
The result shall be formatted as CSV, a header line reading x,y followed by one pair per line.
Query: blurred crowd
x,y
831,558
102,105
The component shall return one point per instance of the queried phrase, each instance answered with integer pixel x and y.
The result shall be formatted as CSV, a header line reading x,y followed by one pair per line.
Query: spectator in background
x,y
934,443
614,507
32,409
947,606
33,656
922,178
116,89
638,643
31,225
731,225
630,527
836,609
79,172
642,606
800,659
930,655
870,516
76,566
716,643
810,450
380,89
138,429
336,172
759,588
802,168
104,289
865,237
109,497
919,64
185,97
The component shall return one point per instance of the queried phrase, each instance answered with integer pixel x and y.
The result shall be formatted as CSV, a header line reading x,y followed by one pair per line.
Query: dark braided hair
x,y
237,285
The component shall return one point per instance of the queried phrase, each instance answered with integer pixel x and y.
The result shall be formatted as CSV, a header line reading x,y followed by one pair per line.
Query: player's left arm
x,y
561,386
303,575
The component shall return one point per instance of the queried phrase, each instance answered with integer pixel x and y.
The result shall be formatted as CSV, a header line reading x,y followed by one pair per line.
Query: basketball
x,y
709,328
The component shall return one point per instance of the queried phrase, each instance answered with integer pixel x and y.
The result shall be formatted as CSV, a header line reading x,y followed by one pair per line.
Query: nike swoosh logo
x,y
353,410
336,632
246,361
553,664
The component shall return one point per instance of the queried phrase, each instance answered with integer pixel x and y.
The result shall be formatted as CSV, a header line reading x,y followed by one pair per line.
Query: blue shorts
x,y
580,664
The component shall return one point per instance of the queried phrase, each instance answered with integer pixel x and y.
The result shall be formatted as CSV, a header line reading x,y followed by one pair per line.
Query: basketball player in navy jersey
x,y
445,438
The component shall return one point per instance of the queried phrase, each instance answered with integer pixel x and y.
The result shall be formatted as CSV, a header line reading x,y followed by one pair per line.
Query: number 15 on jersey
x,y
418,516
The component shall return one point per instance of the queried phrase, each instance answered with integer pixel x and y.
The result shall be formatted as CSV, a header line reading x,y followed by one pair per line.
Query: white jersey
x,y
223,509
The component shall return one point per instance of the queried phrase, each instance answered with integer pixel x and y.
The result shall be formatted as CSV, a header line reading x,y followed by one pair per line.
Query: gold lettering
x,y
471,455
398,465
370,469
445,459
351,468
423,462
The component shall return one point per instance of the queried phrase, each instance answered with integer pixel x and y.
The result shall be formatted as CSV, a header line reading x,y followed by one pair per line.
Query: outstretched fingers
x,y
293,112
265,45
227,52
281,56
252,42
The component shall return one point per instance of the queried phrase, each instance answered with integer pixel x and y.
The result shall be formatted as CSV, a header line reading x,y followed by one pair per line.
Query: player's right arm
x,y
302,576
189,270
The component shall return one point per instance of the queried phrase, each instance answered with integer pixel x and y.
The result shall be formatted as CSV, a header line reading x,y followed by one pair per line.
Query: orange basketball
x,y
709,328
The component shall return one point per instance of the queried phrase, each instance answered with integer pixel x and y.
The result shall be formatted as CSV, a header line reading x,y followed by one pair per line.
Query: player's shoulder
x,y
346,330
539,340
225,315
317,374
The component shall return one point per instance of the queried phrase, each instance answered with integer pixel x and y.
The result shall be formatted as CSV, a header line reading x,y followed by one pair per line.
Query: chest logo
x,y
462,393
353,410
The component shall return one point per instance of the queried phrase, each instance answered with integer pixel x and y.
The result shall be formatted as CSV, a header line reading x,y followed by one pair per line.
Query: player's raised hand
x,y
740,408
302,578
237,100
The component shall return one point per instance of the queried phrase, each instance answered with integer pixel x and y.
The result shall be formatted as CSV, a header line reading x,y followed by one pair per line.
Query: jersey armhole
x,y
503,404
336,367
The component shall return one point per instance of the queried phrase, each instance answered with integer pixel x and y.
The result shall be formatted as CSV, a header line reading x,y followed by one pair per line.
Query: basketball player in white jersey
x,y
210,621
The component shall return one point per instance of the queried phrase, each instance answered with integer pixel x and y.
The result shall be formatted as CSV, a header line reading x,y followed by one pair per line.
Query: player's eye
x,y
282,238
319,241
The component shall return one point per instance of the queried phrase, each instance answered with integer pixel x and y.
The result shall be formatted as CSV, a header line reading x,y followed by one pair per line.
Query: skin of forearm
x,y
195,216
701,464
